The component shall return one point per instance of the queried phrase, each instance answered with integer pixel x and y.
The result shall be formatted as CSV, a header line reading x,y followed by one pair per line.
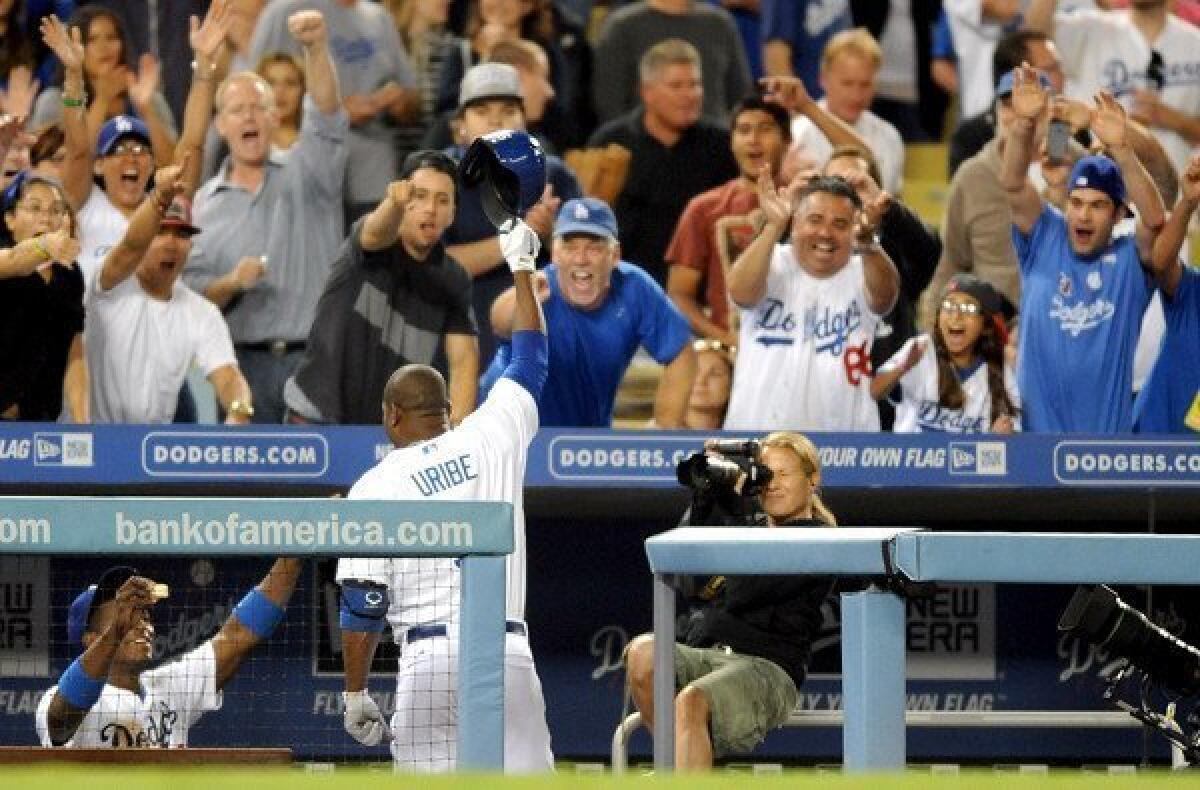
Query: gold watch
x,y
241,408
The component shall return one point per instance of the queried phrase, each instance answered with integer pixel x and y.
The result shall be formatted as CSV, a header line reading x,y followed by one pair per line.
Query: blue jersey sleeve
x,y
1049,224
780,20
530,362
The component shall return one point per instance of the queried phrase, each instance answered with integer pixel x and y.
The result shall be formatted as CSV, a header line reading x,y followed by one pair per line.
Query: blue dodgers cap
x,y
103,591
1098,172
1004,87
586,215
116,129
510,167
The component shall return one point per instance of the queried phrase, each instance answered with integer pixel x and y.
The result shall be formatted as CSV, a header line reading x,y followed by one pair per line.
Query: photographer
x,y
741,659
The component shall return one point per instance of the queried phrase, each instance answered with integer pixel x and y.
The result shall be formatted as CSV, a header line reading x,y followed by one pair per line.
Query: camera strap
x,y
898,582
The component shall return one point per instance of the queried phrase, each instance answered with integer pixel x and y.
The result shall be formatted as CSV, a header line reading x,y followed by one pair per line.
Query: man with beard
x,y
107,697
394,298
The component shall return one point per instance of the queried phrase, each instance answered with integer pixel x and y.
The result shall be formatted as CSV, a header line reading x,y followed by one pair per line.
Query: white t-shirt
x,y
139,349
101,227
485,454
886,144
174,696
1102,50
917,409
804,353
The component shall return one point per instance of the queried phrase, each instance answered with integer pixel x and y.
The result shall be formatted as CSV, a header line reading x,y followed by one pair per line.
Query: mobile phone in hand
x,y
1058,138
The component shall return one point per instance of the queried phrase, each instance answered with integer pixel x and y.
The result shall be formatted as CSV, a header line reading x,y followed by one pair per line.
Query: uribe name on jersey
x,y
444,475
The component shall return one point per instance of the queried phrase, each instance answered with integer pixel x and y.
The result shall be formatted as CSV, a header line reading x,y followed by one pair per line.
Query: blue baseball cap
x,y
103,591
1098,172
117,129
586,215
1004,87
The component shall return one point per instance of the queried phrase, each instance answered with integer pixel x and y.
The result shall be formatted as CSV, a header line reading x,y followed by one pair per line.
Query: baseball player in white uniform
x,y
105,699
482,459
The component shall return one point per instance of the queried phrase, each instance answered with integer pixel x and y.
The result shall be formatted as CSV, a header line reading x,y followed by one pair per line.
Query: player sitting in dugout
x,y
108,698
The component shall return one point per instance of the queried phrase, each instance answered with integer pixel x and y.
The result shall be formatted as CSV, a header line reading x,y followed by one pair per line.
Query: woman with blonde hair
x,y
742,657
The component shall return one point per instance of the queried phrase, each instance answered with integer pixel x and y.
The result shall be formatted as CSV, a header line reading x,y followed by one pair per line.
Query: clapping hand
x,y
775,205
1029,97
1109,123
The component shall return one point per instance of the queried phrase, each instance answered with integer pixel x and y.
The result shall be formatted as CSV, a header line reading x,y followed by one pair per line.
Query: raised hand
x,y
169,181
872,214
206,38
1189,182
132,599
10,128
1029,97
400,192
63,248
543,213
520,246
66,46
787,92
1075,112
144,84
307,27
775,205
1109,123
914,354
22,90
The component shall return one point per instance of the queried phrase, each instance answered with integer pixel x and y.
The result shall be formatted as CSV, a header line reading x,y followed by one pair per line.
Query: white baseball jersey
x,y
1102,50
101,226
486,455
481,459
174,696
918,409
804,353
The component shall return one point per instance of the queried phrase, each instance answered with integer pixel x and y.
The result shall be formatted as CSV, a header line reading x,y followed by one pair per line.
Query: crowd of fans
x,y
265,191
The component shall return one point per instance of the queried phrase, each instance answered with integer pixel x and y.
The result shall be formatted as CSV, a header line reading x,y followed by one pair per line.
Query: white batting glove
x,y
363,719
520,246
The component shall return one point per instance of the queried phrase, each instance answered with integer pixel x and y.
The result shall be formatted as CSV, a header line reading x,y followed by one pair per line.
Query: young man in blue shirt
x,y
599,309
1086,276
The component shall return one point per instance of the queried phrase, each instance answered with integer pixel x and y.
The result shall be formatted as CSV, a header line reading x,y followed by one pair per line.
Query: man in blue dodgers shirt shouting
x,y
599,309
1086,276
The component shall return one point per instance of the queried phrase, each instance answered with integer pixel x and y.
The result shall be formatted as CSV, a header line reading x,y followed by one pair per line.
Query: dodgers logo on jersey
x,y
1080,317
775,318
932,417
830,329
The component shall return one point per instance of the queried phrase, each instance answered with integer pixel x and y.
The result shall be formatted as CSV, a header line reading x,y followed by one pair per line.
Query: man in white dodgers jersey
x,y
482,459
106,697
809,310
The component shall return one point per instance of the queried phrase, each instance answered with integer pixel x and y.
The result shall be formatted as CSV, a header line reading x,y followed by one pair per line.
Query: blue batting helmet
x,y
511,167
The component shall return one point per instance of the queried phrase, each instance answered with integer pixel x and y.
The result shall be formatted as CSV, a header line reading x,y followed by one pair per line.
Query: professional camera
x,y
1156,658
720,468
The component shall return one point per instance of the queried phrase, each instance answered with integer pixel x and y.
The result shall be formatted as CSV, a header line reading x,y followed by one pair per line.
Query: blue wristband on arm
x,y
530,363
364,606
78,688
258,613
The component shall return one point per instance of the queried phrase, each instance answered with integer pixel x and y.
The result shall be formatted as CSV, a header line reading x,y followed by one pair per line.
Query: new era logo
x,y
62,449
978,458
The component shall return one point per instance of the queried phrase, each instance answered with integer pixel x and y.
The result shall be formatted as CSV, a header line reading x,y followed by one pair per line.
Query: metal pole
x,y
873,677
664,675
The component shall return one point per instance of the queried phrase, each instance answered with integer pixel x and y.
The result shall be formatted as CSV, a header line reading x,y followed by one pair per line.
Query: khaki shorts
x,y
747,696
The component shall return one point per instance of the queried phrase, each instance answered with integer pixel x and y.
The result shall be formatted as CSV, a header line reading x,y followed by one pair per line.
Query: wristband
x,y
68,102
258,613
78,688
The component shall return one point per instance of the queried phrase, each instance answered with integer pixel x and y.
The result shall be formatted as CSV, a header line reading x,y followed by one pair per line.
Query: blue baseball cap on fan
x,y
586,215
116,129
103,591
1098,172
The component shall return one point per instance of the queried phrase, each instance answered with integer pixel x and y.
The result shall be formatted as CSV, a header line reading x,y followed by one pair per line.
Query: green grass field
x,y
125,778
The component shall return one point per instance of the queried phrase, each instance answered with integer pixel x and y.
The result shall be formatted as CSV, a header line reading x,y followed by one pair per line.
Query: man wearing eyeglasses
x,y
1145,56
599,310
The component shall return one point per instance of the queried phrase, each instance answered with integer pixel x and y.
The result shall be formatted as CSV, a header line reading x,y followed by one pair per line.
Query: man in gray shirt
x,y
377,83
272,228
